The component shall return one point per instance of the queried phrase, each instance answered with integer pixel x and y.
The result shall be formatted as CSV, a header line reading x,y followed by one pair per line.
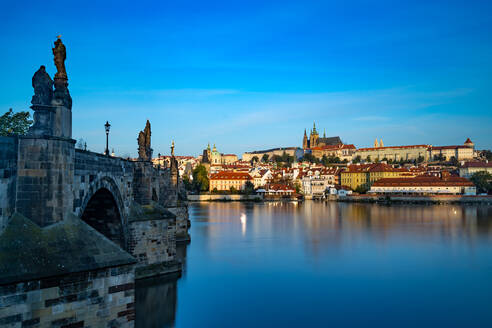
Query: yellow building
x,y
365,175
225,180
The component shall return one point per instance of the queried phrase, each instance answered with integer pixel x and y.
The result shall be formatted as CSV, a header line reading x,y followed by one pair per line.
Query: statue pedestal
x,y
63,105
44,118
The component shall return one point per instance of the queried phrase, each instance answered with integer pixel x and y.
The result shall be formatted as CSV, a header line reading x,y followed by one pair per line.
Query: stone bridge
x,y
77,227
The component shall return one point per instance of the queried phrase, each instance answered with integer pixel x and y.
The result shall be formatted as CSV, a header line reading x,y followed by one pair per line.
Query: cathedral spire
x,y
314,127
324,133
376,143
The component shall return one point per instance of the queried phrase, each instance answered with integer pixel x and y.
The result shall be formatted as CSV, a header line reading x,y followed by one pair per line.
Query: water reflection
x,y
322,264
155,298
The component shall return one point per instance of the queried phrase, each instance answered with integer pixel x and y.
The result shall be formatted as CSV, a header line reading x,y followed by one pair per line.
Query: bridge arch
x,y
103,209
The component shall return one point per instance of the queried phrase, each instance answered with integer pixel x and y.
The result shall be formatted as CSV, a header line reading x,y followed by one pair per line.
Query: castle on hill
x,y
315,141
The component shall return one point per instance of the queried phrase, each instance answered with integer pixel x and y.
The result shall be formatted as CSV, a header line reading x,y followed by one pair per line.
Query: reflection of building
x,y
364,175
470,168
424,185
225,180
459,152
315,141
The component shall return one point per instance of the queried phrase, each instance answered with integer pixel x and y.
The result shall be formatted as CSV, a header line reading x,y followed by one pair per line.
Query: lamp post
x,y
107,126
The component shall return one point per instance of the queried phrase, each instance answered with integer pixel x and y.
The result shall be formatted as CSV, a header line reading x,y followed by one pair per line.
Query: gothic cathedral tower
x,y
305,141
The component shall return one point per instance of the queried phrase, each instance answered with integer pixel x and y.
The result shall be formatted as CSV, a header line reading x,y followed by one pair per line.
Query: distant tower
x,y
469,143
313,140
305,141
376,144
381,143
324,133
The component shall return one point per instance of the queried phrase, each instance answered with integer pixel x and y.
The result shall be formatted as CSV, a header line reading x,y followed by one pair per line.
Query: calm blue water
x,y
328,265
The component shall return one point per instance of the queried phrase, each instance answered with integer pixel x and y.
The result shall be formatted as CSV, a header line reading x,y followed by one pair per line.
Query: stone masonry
x,y
76,227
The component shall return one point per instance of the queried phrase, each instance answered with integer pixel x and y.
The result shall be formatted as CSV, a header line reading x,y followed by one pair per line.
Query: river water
x,y
331,264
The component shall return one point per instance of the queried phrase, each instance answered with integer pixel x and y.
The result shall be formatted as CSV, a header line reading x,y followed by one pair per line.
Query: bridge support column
x,y
142,182
45,178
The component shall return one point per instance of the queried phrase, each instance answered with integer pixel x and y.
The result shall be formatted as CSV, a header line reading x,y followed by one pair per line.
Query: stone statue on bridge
x,y
60,54
61,95
144,150
43,87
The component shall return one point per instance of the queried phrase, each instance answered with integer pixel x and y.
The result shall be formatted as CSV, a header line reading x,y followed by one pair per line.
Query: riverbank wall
x,y
430,199
223,198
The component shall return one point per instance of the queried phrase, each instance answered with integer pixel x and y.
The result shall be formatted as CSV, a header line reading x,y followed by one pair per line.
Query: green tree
x,y
200,178
487,154
264,158
368,159
310,158
357,159
453,161
362,189
249,188
483,181
187,183
233,190
14,123
254,160
420,159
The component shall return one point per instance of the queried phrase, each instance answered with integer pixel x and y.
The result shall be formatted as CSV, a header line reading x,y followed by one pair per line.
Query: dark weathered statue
x,y
144,150
43,88
60,54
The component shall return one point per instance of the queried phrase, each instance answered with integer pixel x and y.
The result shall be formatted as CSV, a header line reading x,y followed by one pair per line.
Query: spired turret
x,y
376,143
305,142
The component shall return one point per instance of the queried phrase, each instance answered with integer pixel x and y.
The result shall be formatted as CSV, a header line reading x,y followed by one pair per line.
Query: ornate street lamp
x,y
107,126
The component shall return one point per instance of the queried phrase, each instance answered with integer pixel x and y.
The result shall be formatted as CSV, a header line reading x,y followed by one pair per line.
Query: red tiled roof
x,y
477,164
280,187
421,181
468,141
376,167
449,147
227,175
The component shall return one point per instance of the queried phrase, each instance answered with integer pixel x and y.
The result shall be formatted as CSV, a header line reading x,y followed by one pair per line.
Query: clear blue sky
x,y
253,74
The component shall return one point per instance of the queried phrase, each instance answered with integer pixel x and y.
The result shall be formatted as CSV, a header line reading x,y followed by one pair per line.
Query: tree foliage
x,y
487,154
326,160
249,188
14,123
362,189
308,157
483,181
264,158
200,178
